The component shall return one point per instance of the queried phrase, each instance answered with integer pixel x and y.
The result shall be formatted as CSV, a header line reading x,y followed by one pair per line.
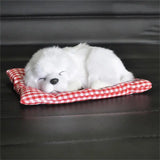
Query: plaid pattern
x,y
32,96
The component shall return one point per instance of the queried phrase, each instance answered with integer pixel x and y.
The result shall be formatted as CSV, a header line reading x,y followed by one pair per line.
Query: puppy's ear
x,y
29,78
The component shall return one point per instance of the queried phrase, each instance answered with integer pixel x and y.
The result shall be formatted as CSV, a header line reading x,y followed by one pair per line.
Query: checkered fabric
x,y
32,96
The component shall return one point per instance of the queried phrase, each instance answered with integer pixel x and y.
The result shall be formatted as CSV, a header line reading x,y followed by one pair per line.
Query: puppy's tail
x,y
128,76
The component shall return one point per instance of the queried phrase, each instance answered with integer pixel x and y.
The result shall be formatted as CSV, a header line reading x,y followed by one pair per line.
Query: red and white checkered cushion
x,y
32,96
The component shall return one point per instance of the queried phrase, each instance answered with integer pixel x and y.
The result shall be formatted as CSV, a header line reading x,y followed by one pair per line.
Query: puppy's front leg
x,y
99,84
73,86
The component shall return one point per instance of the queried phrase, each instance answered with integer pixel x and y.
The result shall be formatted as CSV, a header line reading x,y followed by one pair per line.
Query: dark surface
x,y
93,29
78,7
117,128
127,126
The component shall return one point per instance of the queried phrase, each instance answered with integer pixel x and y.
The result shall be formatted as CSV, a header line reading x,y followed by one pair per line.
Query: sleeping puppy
x,y
57,69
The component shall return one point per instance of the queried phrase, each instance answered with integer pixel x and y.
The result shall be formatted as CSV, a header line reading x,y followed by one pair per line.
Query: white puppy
x,y
57,69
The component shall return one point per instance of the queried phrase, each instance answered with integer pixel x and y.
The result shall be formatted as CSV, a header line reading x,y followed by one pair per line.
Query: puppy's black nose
x,y
54,81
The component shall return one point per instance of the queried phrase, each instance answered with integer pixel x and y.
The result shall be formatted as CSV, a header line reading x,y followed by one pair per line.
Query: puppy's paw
x,y
74,86
99,84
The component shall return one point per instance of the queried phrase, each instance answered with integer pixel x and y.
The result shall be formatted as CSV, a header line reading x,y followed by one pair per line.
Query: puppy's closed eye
x,y
42,79
60,73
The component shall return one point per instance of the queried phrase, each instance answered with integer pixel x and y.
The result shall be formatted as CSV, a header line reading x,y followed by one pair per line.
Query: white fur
x,y
77,67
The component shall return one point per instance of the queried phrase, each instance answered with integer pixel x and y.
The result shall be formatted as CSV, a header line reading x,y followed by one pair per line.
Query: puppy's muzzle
x,y
54,81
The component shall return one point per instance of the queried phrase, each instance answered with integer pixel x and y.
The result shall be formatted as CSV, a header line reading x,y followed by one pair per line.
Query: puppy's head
x,y
49,70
